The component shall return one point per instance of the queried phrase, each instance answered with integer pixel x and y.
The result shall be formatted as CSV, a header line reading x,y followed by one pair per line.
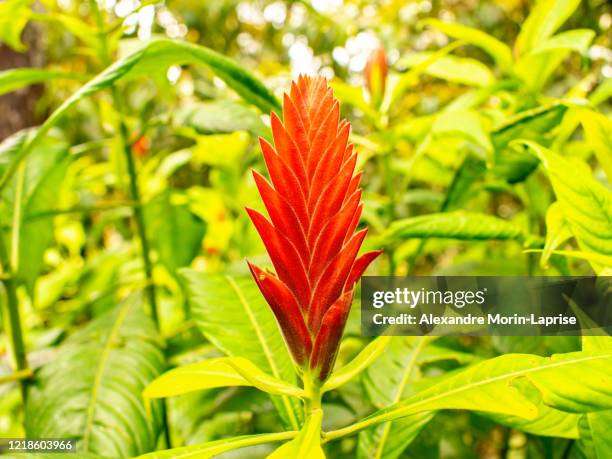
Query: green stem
x,y
349,430
139,218
16,376
13,321
312,388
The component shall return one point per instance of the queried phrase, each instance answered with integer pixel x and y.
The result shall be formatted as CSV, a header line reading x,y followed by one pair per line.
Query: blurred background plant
x,y
146,172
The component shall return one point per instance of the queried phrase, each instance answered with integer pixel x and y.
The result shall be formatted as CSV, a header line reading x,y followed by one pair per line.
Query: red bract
x,y
314,204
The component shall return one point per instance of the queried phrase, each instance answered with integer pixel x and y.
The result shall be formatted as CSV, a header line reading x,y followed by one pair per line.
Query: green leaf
x,y
549,422
175,231
43,175
598,133
577,40
215,448
13,79
364,359
597,423
234,316
543,21
557,232
91,389
498,50
221,116
217,372
308,442
586,203
386,382
156,55
536,125
454,225
536,66
461,70
490,386
14,16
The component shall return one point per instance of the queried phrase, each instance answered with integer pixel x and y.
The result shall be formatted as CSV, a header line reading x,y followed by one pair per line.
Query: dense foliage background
x,y
489,153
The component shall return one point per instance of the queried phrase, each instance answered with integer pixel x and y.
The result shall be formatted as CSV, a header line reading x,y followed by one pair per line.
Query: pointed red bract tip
x,y
314,203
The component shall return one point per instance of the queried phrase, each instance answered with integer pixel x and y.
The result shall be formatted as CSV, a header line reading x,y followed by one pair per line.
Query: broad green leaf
x,y
575,40
91,389
221,116
498,50
14,16
537,125
535,69
557,232
549,421
597,423
214,448
386,382
13,79
261,380
490,386
308,442
36,234
391,439
234,316
536,66
586,203
175,231
43,175
213,373
364,359
454,225
451,68
543,21
598,132
156,55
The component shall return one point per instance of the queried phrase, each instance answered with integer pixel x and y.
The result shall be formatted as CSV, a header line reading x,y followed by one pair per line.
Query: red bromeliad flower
x,y
314,203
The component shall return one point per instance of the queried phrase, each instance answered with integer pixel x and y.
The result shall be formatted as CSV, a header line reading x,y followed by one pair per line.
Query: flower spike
x,y
314,205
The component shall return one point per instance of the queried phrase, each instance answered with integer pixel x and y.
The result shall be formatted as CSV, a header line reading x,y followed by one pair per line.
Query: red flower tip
x,y
314,204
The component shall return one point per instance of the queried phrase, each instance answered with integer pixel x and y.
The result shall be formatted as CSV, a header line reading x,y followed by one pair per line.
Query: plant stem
x,y
312,388
16,376
139,220
13,321
348,430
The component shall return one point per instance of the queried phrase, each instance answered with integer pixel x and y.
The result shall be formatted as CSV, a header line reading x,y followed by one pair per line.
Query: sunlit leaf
x,y
598,131
454,225
13,79
586,203
545,18
452,68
